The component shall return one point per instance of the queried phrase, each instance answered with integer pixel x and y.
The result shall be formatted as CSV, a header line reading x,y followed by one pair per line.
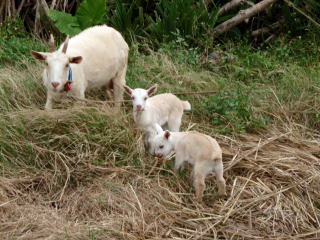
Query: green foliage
x,y
17,50
128,18
188,17
16,43
233,111
12,27
181,51
65,22
136,19
89,13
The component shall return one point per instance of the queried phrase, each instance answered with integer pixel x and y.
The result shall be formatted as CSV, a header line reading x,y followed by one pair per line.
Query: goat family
x,y
98,57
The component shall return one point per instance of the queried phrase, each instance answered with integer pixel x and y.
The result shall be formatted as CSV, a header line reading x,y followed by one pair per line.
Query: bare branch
x,y
2,11
45,6
51,43
53,4
291,4
20,7
242,15
233,4
267,29
37,17
269,39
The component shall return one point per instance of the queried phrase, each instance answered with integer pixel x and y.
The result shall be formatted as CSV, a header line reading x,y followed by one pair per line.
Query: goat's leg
x,y
179,161
174,122
49,101
220,179
118,83
199,183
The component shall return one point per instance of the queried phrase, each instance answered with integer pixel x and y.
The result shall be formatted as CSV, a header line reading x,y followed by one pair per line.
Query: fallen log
x,y
242,16
233,4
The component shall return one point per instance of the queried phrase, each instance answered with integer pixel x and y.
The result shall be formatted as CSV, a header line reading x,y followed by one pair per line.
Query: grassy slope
x,y
79,172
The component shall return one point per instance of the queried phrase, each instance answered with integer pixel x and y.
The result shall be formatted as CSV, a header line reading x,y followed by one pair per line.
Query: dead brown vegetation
x,y
272,182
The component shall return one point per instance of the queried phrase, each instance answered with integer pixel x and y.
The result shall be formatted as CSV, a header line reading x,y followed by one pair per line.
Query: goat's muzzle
x,y
55,84
139,108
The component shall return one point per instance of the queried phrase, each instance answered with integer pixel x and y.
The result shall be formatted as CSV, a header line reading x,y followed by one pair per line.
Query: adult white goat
x,y
94,58
200,150
164,109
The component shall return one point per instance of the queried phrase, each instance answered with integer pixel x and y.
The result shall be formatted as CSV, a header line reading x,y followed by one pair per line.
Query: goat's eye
x,y
46,63
145,98
161,146
67,65
132,98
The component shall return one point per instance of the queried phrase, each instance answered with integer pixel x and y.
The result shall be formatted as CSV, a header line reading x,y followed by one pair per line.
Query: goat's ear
x,y
127,89
65,45
39,55
152,90
75,60
158,128
167,134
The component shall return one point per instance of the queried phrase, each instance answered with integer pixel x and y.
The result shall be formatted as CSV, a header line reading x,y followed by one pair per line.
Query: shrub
x,y
232,110
16,43
189,18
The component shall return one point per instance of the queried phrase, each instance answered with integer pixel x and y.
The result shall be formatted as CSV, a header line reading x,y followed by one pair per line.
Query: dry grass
x,y
80,173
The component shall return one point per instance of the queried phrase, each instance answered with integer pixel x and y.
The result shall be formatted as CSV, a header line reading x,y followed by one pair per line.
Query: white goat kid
x,y
164,109
200,150
94,58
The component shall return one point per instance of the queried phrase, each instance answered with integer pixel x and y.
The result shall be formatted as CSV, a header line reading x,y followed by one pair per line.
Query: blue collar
x,y
67,86
70,75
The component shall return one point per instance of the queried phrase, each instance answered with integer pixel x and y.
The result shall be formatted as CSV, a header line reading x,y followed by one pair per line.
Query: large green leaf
x,y
91,12
66,23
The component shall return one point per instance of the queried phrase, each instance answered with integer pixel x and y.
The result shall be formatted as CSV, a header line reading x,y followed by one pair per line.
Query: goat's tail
x,y
186,105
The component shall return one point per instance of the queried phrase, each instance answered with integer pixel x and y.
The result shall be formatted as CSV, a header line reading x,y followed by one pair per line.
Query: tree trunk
x,y
242,15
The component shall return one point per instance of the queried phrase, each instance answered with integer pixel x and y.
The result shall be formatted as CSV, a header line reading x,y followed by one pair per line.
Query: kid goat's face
x,y
163,144
139,96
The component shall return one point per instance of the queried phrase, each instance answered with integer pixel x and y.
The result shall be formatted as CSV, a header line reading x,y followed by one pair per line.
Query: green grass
x,y
252,86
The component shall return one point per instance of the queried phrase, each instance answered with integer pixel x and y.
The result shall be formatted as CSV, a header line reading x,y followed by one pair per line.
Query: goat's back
x,y
104,53
166,103
200,146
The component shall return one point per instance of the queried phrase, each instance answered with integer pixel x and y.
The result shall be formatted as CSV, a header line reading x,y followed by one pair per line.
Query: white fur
x,y
104,55
200,150
163,109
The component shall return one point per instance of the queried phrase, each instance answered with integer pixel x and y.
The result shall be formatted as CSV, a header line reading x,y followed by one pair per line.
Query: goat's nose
x,y
139,107
55,84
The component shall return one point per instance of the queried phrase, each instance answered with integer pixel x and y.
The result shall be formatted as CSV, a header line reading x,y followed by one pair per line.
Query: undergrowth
x,y
16,43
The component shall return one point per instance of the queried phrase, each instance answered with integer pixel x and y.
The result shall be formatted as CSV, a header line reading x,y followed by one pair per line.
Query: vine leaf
x,y
65,22
91,12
